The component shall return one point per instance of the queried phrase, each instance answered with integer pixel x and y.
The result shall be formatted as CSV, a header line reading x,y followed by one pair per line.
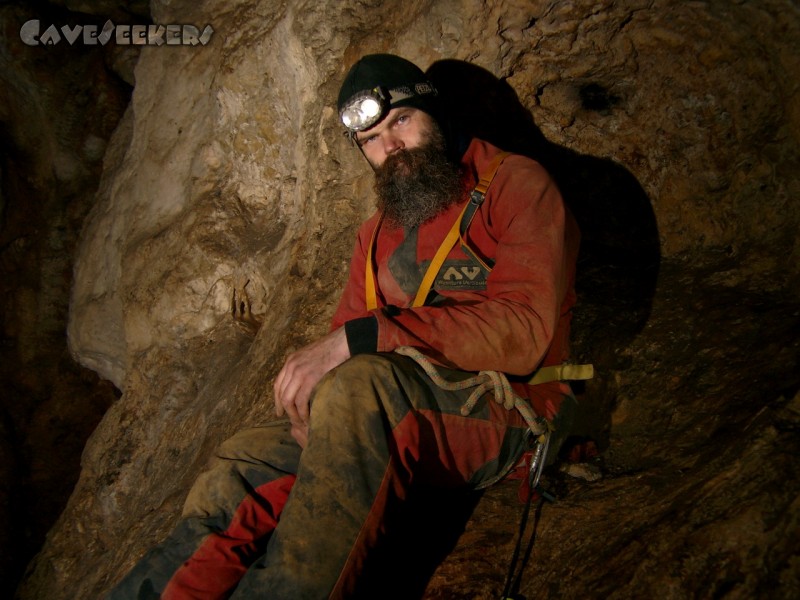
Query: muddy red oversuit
x,y
269,520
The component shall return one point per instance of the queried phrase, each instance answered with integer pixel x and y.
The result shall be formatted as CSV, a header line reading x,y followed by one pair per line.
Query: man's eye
x,y
402,119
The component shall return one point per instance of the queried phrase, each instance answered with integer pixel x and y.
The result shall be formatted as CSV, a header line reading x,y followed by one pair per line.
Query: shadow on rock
x,y
620,253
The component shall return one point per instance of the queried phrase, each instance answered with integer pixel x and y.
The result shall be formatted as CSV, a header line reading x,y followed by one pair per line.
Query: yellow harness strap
x,y
491,171
438,259
456,232
563,372
369,276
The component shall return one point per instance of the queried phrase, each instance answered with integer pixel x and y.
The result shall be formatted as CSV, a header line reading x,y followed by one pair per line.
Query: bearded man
x,y
467,266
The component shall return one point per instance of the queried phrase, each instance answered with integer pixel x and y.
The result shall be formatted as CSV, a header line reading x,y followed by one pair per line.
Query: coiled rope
x,y
483,382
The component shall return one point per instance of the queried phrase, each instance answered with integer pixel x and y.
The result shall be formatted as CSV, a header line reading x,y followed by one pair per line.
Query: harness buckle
x,y
476,197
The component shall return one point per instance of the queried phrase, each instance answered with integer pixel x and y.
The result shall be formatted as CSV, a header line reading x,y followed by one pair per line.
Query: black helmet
x,y
378,83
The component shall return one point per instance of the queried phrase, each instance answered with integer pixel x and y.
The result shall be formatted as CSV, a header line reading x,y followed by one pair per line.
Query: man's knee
x,y
362,371
367,366
366,383
244,461
256,444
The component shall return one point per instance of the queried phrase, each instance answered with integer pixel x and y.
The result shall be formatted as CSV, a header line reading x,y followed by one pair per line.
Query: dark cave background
x,y
57,112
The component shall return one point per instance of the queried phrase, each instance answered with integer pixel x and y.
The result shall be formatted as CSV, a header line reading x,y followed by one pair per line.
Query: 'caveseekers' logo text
x,y
138,35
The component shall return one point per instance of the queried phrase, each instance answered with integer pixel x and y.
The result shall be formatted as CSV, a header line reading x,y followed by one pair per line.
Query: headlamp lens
x,y
363,111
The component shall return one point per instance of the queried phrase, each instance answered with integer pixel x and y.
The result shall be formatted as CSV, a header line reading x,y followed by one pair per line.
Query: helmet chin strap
x,y
369,162
354,140
351,135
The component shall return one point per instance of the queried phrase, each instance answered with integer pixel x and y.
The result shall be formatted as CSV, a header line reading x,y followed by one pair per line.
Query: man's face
x,y
414,179
403,128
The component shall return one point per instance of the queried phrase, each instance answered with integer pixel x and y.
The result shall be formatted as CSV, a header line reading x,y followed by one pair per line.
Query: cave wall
x,y
672,129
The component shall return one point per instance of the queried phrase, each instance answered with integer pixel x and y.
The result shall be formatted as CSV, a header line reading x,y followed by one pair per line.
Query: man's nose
x,y
392,143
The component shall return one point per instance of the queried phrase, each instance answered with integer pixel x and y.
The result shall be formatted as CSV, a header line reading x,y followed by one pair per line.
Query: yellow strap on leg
x,y
565,372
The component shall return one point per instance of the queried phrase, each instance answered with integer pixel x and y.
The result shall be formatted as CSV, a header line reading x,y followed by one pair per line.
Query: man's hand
x,y
301,372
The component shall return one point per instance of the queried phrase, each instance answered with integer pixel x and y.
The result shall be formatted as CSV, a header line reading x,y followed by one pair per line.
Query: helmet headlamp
x,y
368,107
364,110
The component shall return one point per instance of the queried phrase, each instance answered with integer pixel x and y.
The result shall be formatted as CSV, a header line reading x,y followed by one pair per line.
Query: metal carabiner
x,y
538,459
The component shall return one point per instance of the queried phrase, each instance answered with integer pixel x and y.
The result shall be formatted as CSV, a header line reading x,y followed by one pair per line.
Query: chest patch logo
x,y
453,274
460,275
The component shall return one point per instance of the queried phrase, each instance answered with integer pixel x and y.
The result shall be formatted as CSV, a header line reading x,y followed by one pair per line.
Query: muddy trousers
x,y
268,520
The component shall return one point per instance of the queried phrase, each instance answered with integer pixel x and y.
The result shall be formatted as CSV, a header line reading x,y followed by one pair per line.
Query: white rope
x,y
483,382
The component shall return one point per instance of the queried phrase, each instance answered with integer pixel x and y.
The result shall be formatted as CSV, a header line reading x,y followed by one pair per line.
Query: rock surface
x,y
673,131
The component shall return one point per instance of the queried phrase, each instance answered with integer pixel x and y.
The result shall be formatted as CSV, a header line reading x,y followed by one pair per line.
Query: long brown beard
x,y
413,186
